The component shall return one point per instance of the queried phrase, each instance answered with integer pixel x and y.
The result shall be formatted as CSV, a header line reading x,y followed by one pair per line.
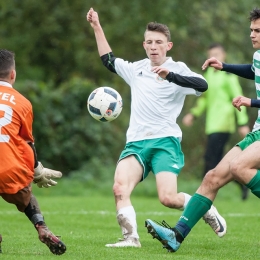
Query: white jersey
x,y
156,103
256,69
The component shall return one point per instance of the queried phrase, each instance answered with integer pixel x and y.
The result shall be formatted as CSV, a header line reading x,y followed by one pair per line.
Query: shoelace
x,y
164,224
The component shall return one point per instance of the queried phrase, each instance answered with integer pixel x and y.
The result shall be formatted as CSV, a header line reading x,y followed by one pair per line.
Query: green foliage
x,y
53,40
44,35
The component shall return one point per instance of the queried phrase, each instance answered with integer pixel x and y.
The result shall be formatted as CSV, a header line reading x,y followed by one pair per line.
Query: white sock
x,y
129,214
187,198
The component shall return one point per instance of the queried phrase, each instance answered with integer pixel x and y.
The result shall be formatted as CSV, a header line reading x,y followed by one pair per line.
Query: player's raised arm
x,y
212,62
102,44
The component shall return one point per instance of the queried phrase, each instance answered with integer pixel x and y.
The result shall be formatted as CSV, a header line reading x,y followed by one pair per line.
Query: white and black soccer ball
x,y
105,104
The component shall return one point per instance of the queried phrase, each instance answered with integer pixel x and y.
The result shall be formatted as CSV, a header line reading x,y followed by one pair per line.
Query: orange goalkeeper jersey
x,y
16,156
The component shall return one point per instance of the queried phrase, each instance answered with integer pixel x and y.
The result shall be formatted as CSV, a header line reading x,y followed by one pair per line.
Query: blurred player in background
x,y
241,163
18,160
221,117
158,86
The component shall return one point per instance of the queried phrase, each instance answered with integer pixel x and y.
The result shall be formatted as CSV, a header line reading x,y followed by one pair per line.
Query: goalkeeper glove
x,y
42,176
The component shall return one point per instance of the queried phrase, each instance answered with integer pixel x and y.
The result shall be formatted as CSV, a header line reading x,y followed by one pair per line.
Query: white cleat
x,y
128,242
216,221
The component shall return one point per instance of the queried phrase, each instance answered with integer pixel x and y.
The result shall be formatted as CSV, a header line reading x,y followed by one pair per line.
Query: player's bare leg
x,y
172,237
127,176
245,167
219,176
166,183
168,196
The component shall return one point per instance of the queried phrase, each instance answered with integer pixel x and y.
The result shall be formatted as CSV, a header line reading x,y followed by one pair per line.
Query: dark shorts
x,y
156,155
21,199
249,139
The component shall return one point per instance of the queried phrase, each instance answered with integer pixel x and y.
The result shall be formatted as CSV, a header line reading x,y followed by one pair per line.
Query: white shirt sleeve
x,y
124,69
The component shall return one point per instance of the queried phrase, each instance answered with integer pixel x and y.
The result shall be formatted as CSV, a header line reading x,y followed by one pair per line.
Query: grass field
x,y
86,222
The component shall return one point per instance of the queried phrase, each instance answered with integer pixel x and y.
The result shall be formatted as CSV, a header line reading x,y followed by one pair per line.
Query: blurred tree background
x,y
58,66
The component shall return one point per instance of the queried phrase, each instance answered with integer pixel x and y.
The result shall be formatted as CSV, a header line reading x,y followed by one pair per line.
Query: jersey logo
x,y
159,79
140,74
175,166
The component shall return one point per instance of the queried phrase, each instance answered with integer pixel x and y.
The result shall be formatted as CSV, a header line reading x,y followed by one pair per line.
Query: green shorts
x,y
156,155
249,139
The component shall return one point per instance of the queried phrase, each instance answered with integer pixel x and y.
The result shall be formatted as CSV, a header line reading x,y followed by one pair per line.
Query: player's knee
x,y
169,200
210,178
121,189
117,188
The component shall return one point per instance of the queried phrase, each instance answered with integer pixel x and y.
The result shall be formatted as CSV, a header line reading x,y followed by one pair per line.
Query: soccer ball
x,y
105,104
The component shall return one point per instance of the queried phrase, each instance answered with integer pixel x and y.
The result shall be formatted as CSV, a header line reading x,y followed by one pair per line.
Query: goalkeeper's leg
x,y
27,203
33,212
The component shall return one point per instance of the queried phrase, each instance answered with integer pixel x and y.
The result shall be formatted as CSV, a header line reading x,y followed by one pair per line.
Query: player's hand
x,y
43,176
212,62
241,101
92,17
188,119
162,72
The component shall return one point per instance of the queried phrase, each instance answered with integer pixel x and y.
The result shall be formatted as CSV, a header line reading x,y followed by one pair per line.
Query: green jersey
x,y
256,69
221,116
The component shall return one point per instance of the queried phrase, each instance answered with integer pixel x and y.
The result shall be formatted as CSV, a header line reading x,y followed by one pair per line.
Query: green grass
x,y
86,222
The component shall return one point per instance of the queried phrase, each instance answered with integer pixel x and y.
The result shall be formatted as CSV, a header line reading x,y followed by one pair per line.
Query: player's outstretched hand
x,y
43,176
212,62
162,72
241,101
92,17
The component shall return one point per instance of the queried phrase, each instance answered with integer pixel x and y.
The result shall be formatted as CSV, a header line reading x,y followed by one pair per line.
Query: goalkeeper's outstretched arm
x,y
43,176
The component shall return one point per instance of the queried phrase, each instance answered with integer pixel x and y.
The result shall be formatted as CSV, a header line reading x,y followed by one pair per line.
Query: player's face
x,y
255,33
218,53
156,47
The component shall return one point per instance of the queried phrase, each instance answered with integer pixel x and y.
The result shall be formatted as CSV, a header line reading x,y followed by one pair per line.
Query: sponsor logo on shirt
x,y
159,79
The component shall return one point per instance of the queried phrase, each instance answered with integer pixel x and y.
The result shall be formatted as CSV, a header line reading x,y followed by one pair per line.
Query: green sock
x,y
195,209
254,184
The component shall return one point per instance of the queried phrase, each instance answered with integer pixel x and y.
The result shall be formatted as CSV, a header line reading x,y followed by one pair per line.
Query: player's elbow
x,y
200,84
204,86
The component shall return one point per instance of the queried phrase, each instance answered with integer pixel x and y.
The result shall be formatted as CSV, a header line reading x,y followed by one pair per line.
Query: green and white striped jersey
x,y
256,69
